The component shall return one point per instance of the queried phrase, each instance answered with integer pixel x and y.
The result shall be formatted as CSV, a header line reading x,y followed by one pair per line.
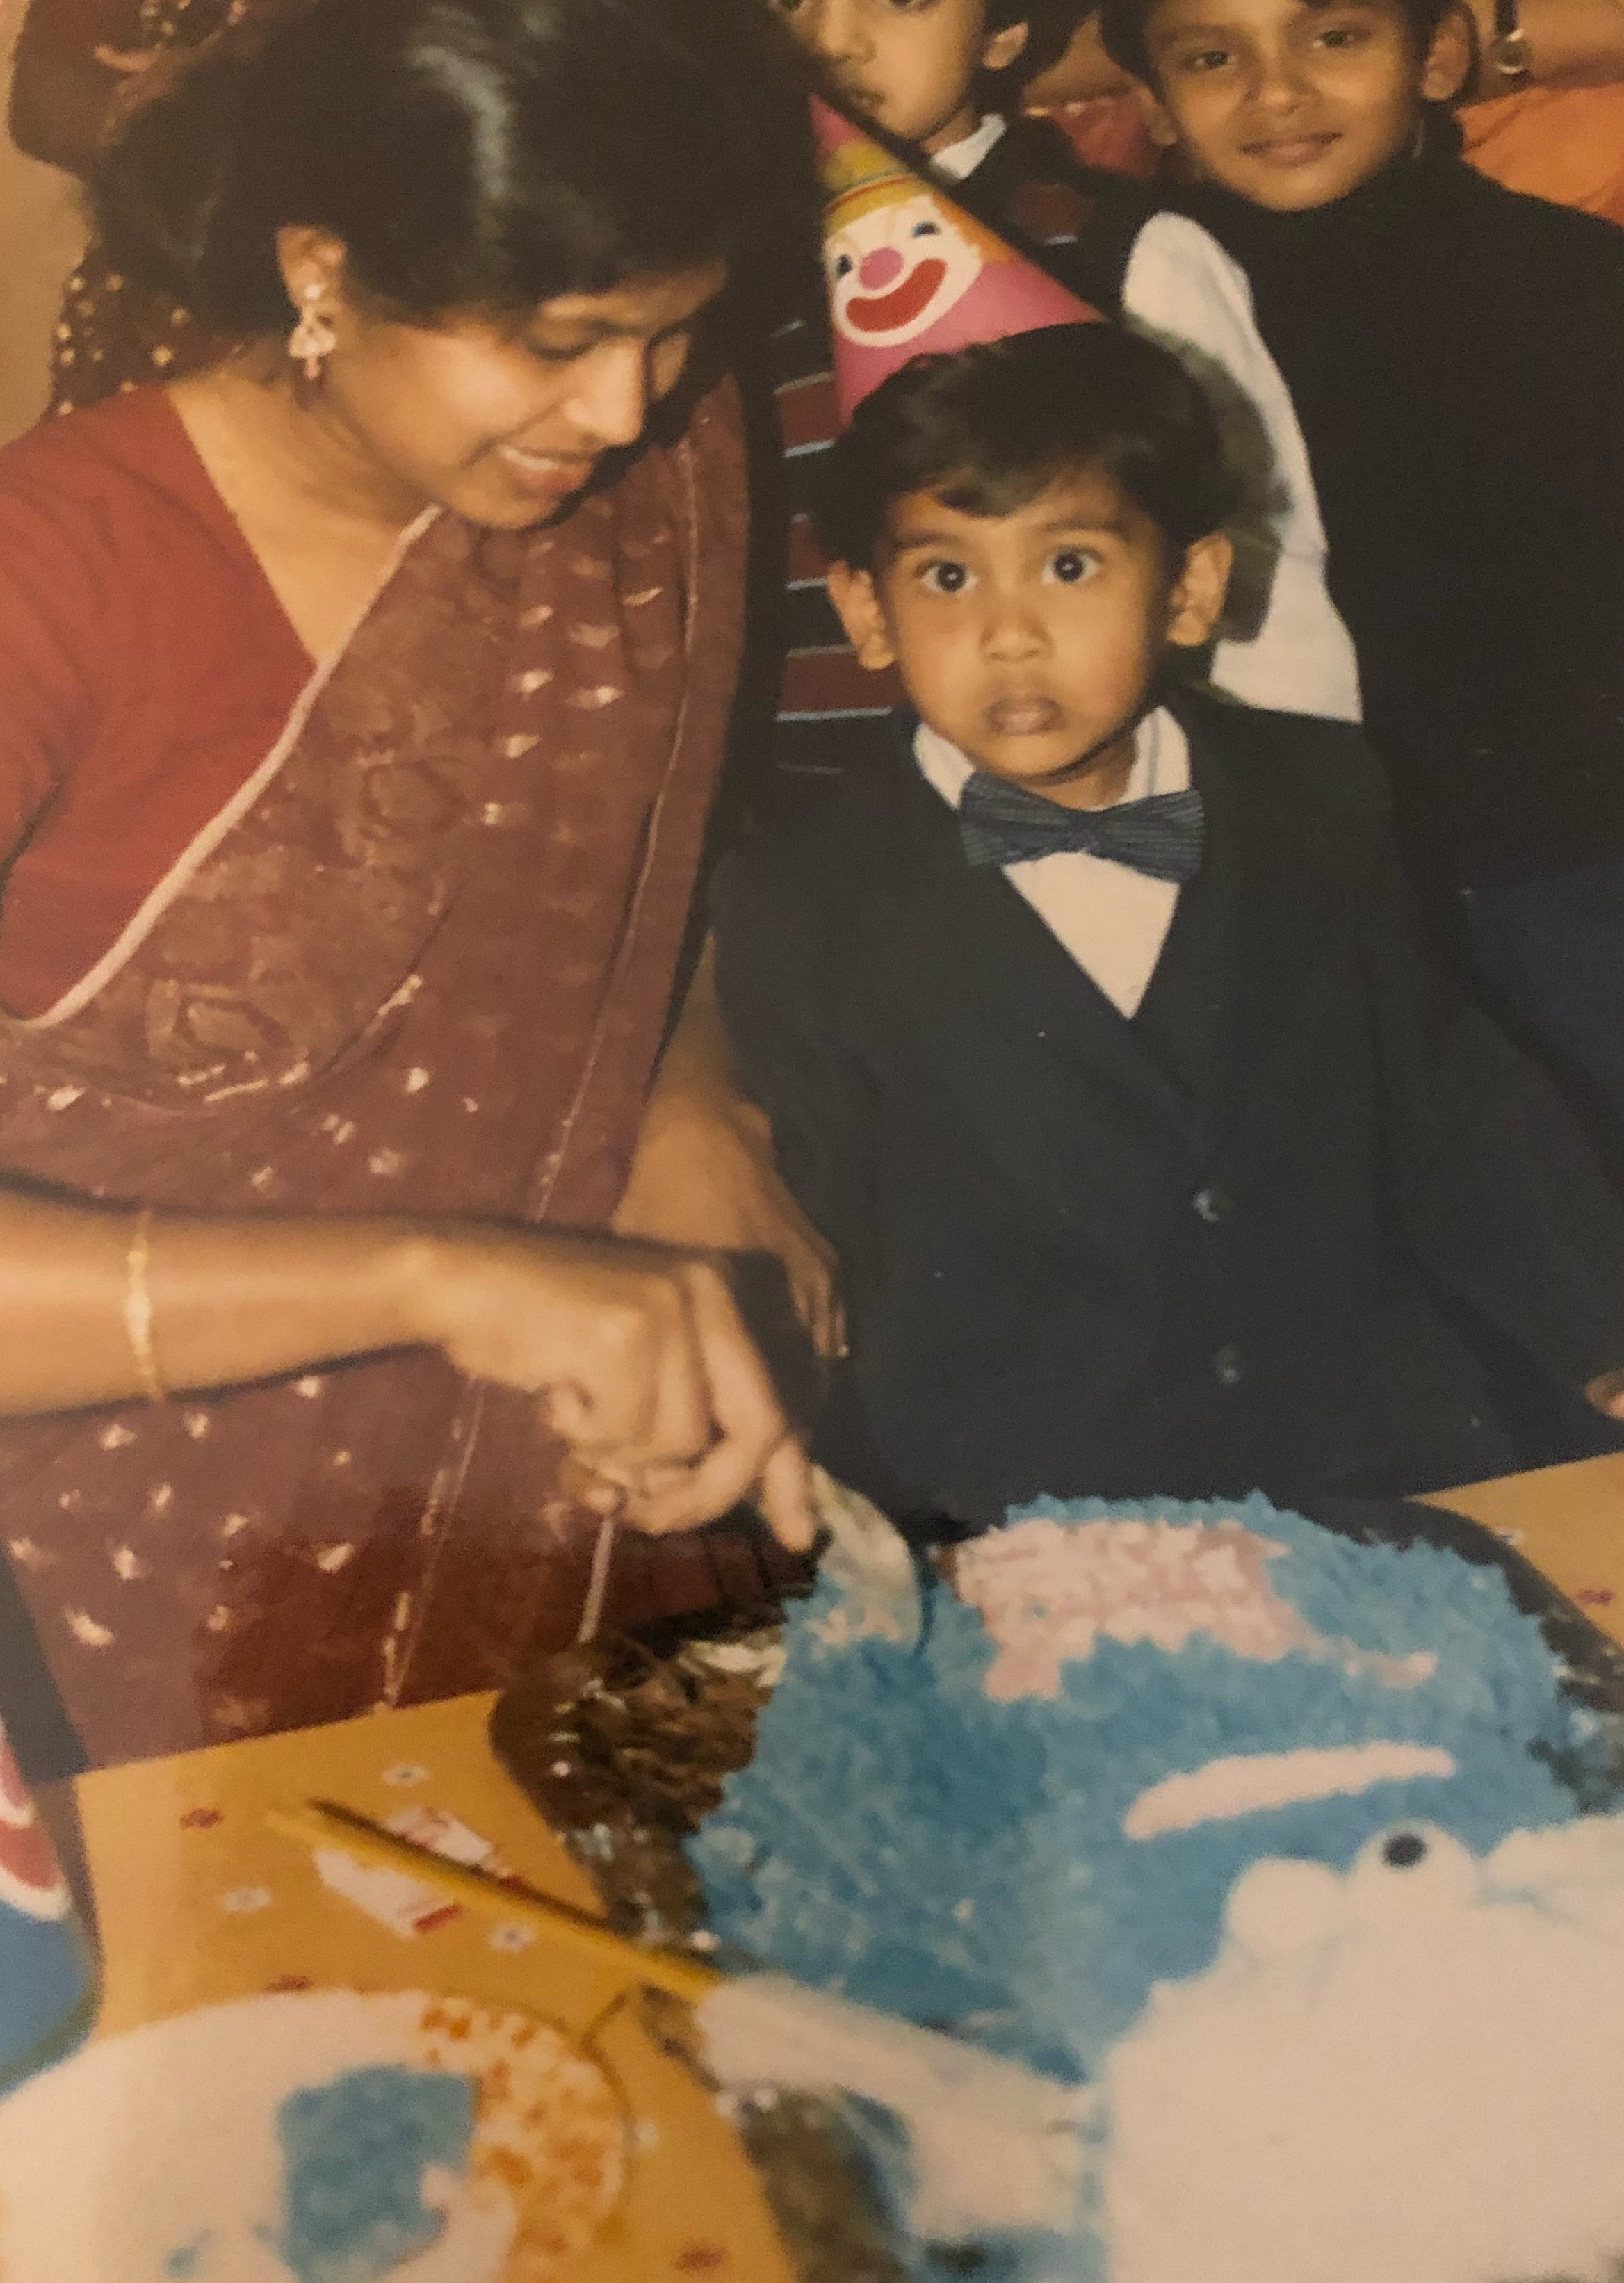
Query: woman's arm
x,y
1571,44
704,1172
636,1352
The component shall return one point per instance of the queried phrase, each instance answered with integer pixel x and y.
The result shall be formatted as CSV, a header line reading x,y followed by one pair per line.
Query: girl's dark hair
x,y
1123,24
471,154
988,428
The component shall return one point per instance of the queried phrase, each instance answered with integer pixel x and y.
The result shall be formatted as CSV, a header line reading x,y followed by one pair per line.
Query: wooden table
x,y
1569,1522
200,1902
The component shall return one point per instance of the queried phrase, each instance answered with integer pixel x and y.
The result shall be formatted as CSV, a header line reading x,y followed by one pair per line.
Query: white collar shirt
x,y
1112,920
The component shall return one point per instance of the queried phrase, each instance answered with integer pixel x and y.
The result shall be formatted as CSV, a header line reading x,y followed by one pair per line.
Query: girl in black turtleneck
x,y
1455,353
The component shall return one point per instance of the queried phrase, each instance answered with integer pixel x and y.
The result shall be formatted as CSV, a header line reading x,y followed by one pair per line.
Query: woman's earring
x,y
312,340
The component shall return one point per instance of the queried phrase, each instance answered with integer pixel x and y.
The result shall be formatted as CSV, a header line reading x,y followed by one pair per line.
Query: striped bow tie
x,y
1002,824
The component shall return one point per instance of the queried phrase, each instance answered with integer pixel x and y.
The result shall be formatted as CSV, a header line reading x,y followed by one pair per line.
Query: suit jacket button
x,y
1228,1369
1211,1204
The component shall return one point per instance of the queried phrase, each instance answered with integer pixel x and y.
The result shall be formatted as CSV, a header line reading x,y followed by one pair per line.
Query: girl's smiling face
x,y
1291,104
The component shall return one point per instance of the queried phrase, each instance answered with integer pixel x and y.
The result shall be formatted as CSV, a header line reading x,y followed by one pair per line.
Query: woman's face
x,y
503,423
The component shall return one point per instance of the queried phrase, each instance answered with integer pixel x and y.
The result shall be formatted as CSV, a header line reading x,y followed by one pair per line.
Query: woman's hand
x,y
641,1359
709,1180
638,1353
127,62
704,1176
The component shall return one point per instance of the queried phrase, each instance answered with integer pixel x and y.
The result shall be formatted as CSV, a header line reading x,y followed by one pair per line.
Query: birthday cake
x,y
1294,1853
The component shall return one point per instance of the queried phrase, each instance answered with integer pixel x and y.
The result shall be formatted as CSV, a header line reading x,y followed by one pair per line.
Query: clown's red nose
x,y
876,270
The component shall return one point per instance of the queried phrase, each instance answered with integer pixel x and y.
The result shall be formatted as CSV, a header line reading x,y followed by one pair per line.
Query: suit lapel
x,y
1248,957
1182,1017
976,1009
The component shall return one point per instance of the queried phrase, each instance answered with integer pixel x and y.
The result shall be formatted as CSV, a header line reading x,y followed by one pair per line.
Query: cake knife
x,y
871,1561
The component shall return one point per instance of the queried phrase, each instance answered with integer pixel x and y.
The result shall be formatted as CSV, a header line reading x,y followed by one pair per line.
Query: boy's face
x,y
1031,640
1290,105
911,65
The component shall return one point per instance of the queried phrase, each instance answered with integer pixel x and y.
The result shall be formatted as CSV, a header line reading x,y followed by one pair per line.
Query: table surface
x,y
200,1902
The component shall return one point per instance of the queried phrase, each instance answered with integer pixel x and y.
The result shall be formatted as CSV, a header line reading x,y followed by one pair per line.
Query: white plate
x,y
327,2138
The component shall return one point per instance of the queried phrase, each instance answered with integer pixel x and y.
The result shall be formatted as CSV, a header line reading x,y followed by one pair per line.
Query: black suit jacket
x,y
1267,1232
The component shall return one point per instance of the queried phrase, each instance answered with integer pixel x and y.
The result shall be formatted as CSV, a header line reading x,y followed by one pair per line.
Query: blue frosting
x,y
355,2151
905,1840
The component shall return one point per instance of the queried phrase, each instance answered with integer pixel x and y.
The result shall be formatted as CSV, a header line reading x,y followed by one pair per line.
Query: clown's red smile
x,y
884,313
897,270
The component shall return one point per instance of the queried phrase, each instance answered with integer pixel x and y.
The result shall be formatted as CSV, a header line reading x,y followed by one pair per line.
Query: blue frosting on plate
x,y
906,1839
355,2151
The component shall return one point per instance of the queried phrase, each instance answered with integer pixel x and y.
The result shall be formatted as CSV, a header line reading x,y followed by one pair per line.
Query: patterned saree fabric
x,y
419,962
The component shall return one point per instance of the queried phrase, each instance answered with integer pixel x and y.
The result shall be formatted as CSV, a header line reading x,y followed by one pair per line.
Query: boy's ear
x,y
1197,594
855,596
1450,59
1003,48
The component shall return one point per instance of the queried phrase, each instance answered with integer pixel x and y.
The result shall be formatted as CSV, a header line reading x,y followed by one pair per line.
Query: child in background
x,y
947,76
1090,1027
1544,111
1455,353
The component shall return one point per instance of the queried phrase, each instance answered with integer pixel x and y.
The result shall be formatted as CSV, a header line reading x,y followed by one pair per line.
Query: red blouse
x,y
147,668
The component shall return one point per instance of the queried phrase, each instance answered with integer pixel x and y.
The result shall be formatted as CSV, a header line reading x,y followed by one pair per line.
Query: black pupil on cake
x,y
1404,1850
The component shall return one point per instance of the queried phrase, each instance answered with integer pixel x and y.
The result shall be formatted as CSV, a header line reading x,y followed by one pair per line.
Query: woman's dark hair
x,y
471,154
1123,23
988,428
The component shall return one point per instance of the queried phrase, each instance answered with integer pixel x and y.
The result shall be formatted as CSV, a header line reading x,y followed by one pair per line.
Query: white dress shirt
x,y
1112,920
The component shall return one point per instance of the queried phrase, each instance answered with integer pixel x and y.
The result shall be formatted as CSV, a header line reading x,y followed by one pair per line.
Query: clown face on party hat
x,y
910,272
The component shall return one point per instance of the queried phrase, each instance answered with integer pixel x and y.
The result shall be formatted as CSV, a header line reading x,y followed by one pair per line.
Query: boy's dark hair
x,y
1123,29
987,428
471,154
1049,26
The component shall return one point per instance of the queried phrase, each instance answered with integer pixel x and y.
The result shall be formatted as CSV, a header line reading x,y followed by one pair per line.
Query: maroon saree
x,y
420,963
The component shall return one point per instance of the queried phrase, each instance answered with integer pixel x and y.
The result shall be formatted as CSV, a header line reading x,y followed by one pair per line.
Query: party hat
x,y
910,272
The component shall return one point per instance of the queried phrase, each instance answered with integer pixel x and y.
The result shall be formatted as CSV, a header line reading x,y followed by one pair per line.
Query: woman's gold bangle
x,y
138,1309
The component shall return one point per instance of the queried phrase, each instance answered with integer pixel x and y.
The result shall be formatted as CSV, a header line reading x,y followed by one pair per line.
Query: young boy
x,y
1455,353
946,76
1090,1027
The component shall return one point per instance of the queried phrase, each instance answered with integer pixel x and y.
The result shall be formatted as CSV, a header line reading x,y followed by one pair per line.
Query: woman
x,y
359,700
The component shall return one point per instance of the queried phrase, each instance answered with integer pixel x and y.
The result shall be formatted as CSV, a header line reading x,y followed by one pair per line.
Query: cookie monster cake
x,y
1249,1829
